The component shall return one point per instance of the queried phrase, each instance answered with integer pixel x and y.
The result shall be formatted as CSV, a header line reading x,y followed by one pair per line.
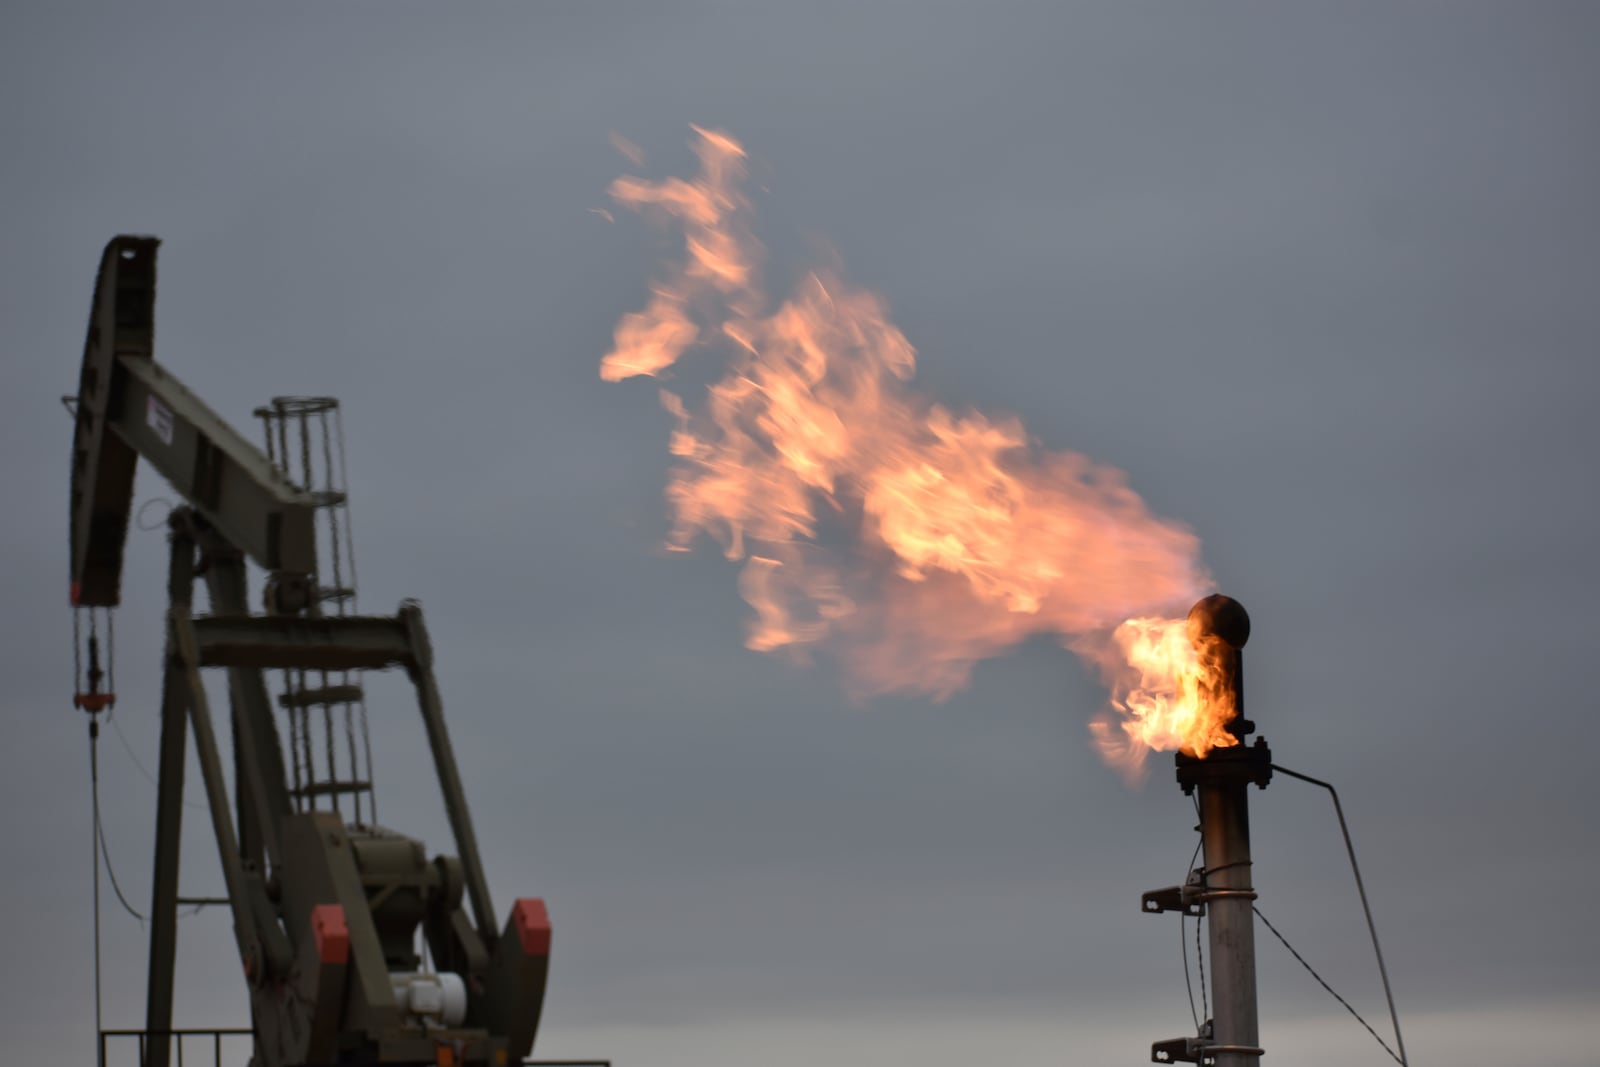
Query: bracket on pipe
x,y
1196,1050
1188,898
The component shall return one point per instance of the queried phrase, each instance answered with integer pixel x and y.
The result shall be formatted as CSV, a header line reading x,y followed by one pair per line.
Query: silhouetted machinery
x,y
326,904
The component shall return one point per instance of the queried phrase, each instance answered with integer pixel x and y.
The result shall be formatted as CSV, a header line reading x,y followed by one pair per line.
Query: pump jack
x,y
325,912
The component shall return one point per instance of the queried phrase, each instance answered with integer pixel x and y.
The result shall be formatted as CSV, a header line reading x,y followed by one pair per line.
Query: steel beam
x,y
259,774
169,818
351,643
228,480
444,761
182,648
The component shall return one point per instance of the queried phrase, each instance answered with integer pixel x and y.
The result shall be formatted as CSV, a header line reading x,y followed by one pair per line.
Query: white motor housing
x,y
430,999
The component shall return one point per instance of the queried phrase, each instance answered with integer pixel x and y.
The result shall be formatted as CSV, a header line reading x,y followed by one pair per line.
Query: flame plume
x,y
908,539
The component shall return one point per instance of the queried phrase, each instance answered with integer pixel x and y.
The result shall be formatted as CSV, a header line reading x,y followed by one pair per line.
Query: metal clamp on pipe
x,y
1224,894
1197,1050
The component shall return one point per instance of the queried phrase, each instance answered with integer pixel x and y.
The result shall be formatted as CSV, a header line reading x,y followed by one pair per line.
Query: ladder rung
x,y
327,498
313,698
334,592
322,789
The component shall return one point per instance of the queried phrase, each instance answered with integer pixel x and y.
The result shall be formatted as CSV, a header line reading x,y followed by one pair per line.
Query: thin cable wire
x,y
134,758
1312,971
1350,849
1199,952
1200,965
104,849
139,519
1183,943
1188,982
94,794
100,831
111,872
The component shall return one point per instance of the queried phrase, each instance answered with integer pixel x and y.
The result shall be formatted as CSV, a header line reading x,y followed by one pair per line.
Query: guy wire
x,y
1350,849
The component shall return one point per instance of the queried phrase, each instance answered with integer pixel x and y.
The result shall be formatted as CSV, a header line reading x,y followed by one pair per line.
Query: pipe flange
x,y
1226,766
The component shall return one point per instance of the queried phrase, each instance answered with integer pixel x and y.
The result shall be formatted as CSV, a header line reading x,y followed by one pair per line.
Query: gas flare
x,y
908,539
1167,692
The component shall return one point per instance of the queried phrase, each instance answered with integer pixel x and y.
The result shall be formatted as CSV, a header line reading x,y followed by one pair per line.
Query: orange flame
x,y
911,540
1171,690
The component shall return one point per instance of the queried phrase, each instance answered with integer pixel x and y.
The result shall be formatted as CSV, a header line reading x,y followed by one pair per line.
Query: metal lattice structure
x,y
330,747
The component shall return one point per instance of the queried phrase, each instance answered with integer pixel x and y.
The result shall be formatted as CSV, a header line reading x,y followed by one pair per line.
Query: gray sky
x,y
1322,282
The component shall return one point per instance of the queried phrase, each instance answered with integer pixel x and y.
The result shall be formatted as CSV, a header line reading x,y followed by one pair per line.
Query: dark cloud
x,y
1321,281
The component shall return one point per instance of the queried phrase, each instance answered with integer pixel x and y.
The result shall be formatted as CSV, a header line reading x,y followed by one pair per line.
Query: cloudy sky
x,y
1322,281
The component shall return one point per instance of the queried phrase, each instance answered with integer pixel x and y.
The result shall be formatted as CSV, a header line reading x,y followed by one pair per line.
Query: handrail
x,y
216,1037
143,1036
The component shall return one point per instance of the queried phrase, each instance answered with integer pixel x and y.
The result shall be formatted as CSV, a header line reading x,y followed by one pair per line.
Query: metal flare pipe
x,y
1219,626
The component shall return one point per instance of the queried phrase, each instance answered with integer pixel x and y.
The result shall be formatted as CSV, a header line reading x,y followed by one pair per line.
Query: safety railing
x,y
205,1048
185,1048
